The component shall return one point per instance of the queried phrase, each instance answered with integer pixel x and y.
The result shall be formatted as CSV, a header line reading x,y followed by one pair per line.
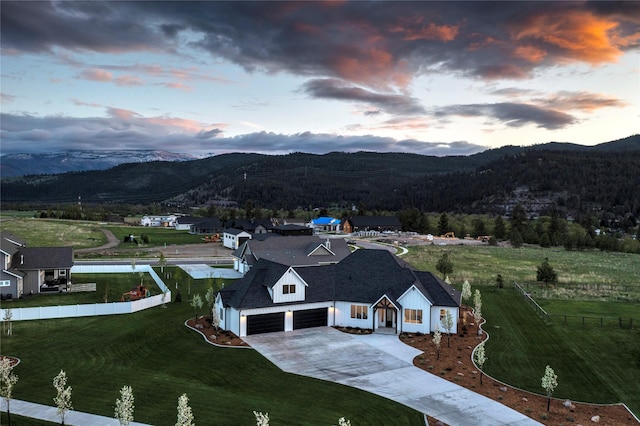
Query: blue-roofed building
x,y
325,224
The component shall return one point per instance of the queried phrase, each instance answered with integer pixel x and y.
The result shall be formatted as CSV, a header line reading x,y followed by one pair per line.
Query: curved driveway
x,y
382,365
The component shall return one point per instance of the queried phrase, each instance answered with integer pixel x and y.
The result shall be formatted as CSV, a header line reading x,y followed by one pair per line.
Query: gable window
x,y
359,311
288,289
413,316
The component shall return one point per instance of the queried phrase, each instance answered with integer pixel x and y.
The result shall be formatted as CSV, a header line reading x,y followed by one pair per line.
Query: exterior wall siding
x,y
343,315
288,278
435,318
413,299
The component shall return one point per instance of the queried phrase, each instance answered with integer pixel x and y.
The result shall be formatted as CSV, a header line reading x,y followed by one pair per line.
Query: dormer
x,y
289,288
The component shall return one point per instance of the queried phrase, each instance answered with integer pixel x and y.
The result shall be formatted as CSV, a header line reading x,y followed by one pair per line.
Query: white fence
x,y
114,308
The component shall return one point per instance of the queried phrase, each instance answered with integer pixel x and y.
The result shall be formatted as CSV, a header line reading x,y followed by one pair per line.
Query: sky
x,y
207,78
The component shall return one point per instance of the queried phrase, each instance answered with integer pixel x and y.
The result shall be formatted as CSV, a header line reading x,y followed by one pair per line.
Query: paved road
x,y
382,365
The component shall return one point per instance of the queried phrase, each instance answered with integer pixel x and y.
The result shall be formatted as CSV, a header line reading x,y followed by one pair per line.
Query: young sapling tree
x,y
262,419
185,415
7,382
466,290
447,323
124,406
196,303
63,396
479,357
436,339
549,383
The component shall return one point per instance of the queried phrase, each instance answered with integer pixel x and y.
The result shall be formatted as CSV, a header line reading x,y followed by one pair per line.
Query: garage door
x,y
265,323
310,318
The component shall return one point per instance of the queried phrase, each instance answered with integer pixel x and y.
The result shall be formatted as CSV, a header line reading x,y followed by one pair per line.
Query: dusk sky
x,y
206,78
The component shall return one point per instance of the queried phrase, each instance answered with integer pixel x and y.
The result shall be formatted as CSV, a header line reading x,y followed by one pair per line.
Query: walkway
x,y
50,414
382,365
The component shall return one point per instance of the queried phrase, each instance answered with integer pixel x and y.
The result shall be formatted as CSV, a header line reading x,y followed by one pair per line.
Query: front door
x,y
389,316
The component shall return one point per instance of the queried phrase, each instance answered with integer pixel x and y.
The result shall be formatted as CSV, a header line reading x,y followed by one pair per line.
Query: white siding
x,y
414,299
435,318
343,315
289,278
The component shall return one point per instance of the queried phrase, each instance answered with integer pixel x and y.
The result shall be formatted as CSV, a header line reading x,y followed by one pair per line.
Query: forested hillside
x,y
572,179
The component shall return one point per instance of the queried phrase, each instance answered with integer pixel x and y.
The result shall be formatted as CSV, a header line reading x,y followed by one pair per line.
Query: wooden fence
x,y
575,320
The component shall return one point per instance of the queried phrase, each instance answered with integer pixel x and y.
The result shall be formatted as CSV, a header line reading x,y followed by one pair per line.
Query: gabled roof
x,y
43,258
323,220
10,244
299,250
234,231
249,225
364,276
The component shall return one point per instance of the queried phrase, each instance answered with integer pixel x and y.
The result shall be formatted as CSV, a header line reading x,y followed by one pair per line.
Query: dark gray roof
x,y
43,258
299,250
234,231
364,276
10,243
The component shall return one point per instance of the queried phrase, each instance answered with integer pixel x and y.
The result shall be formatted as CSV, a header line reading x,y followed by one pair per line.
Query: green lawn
x,y
157,236
153,352
593,364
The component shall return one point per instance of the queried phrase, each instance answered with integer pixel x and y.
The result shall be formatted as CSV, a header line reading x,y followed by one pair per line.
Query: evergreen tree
x,y
499,228
443,224
444,265
546,273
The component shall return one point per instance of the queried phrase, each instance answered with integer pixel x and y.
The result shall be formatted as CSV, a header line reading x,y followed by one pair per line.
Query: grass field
x,y
157,236
593,364
481,265
54,233
154,353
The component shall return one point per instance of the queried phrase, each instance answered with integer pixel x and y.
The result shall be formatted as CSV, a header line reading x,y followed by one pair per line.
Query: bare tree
x,y
479,357
124,406
63,398
344,422
7,382
215,319
185,415
549,383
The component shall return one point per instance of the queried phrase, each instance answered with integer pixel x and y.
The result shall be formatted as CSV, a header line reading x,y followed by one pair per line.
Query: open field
x,y
54,233
160,358
157,236
480,265
593,364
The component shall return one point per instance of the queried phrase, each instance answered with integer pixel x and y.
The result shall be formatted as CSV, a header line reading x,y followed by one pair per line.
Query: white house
x,y
165,221
370,289
233,238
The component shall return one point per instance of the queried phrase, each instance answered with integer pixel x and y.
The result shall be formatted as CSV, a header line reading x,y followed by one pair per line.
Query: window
x,y
359,311
221,316
413,316
5,283
443,314
288,289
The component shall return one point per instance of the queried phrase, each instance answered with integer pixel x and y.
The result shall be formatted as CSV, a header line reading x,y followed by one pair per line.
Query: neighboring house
x,y
368,289
165,221
199,225
291,229
325,224
371,223
233,238
31,270
252,226
303,250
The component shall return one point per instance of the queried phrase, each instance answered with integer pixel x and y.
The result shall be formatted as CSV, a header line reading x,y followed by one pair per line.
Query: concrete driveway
x,y
382,365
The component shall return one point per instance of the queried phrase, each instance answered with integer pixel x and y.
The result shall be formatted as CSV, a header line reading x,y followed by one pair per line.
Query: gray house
x,y
32,270
300,250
